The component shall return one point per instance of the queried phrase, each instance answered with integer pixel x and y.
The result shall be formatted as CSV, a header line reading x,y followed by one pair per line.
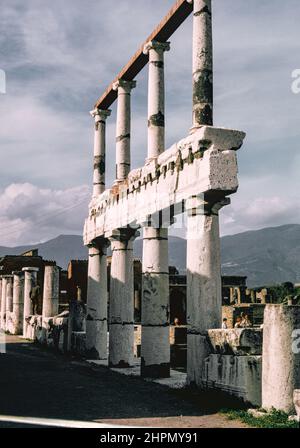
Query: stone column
x,y
18,301
121,302
281,357
202,63
30,281
9,300
204,285
97,298
51,291
123,128
3,303
100,117
155,350
156,98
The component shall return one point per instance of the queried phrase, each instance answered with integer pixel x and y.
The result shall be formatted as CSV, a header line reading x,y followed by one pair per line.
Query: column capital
x,y
19,273
127,86
123,234
30,269
157,46
199,206
100,244
100,114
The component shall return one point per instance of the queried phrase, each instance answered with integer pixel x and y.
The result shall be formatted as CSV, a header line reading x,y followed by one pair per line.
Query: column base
x,y
155,370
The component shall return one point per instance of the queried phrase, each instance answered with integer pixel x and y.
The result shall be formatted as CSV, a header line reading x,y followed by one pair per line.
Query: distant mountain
x,y
266,256
61,249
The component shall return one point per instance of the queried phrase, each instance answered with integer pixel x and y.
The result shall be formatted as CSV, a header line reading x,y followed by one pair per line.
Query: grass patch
x,y
273,419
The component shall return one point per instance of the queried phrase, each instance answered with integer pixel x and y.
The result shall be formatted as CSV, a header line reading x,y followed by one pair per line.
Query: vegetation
x,y
274,419
281,293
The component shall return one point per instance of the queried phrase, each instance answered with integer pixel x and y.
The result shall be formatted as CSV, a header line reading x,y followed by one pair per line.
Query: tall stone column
x,y
18,301
97,301
30,281
204,285
100,117
121,300
9,300
123,128
155,350
156,98
202,63
51,291
281,357
3,303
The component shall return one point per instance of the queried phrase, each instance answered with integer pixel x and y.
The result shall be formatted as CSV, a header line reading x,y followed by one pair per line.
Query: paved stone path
x,y
39,384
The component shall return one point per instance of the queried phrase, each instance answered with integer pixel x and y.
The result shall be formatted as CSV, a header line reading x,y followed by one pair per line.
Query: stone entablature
x,y
204,163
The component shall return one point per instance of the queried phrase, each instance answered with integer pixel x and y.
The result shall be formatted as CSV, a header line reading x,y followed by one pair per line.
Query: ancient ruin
x,y
196,176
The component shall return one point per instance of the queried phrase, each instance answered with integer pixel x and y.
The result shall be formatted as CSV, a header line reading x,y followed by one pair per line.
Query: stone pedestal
x,y
30,281
281,357
18,301
121,303
204,290
123,128
96,321
51,292
155,351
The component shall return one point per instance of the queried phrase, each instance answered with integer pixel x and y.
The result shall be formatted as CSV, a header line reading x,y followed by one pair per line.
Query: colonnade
x,y
17,302
203,242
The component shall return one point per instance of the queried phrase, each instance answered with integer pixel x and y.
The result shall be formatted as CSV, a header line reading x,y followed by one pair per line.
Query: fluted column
x,y
3,303
202,63
121,300
51,291
204,286
156,97
9,301
29,282
123,130
97,300
100,117
18,301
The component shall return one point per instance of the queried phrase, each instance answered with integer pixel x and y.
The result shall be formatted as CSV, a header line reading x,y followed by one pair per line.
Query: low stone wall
x,y
50,331
235,364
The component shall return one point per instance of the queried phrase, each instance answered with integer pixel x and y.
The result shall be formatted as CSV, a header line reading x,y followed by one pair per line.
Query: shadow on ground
x,y
39,383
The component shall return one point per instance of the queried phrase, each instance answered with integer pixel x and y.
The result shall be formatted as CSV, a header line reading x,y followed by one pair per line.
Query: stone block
x,y
237,341
239,376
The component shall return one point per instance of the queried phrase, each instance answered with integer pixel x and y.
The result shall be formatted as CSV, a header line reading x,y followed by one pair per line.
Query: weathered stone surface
x,y
238,341
239,376
145,193
281,359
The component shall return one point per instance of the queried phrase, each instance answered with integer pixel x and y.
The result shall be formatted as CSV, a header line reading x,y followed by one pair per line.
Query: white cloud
x,y
29,214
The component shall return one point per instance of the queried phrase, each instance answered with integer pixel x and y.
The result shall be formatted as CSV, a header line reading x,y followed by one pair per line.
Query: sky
x,y
58,58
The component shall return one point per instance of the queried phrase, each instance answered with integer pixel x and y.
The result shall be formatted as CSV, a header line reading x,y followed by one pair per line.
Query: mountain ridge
x,y
266,256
